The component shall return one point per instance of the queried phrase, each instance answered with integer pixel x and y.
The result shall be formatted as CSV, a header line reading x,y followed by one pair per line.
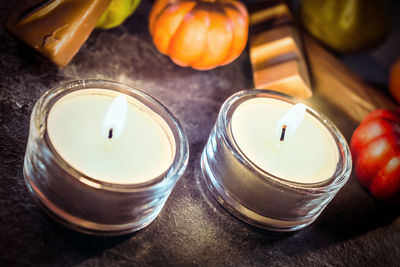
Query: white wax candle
x,y
310,155
140,152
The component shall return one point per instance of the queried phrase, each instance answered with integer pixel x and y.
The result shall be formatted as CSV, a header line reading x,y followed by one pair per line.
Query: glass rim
x,y
343,167
38,125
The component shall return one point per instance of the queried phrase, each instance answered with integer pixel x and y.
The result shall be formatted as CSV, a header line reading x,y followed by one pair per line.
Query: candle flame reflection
x,y
290,121
114,121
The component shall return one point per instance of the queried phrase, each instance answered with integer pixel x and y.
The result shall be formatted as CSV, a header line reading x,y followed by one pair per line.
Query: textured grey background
x,y
192,229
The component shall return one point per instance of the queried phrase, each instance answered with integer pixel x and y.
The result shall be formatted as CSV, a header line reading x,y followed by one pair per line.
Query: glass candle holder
x,y
88,203
269,197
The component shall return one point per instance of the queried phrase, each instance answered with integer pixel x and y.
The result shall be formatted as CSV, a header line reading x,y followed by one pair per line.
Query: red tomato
x,y
375,148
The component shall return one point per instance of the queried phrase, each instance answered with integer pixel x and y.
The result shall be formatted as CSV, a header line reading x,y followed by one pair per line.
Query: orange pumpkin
x,y
394,80
202,34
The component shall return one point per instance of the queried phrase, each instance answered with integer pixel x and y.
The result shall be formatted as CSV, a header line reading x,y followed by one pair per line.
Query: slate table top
x,y
192,229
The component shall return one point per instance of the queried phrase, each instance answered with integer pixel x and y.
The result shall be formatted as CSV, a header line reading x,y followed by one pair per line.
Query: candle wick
x,y
283,133
110,133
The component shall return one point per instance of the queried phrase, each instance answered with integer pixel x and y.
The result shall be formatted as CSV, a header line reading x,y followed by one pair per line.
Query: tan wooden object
x,y
286,77
278,63
276,11
344,89
271,47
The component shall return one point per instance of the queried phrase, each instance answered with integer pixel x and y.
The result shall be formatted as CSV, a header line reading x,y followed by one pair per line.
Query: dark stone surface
x,y
192,229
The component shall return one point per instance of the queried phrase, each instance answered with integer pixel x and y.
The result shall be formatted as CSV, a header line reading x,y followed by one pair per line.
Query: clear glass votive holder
x,y
87,204
256,196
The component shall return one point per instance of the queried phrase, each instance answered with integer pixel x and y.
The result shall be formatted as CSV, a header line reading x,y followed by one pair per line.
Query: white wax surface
x,y
143,151
310,155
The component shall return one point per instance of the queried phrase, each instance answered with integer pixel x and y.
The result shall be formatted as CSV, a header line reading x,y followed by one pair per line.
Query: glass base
x,y
242,212
82,225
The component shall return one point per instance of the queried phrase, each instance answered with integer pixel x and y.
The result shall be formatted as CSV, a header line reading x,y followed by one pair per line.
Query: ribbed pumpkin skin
x,y
375,148
202,34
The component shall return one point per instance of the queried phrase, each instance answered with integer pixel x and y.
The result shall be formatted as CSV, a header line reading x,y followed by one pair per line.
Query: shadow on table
x,y
85,243
354,212
71,248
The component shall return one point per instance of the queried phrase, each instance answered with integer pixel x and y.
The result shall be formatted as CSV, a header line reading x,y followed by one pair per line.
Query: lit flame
x,y
114,122
288,124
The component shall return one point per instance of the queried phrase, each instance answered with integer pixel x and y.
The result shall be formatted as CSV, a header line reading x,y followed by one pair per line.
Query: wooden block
x,y
273,46
340,85
269,13
278,62
288,77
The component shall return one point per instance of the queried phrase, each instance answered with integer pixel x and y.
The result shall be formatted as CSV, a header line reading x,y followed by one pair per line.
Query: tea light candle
x,y
308,154
274,164
103,157
121,142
